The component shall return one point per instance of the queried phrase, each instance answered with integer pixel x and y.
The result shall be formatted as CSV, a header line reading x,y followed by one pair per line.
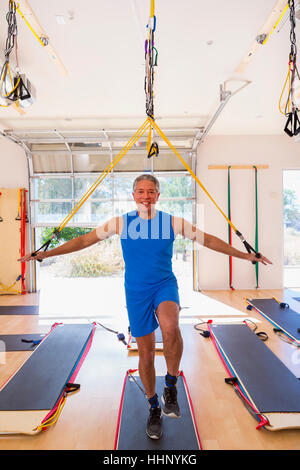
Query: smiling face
x,y
145,196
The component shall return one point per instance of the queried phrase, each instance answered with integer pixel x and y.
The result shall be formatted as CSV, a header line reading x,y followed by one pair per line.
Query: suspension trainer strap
x,y
5,76
256,225
150,62
154,150
103,175
229,228
12,86
22,195
121,154
248,247
292,127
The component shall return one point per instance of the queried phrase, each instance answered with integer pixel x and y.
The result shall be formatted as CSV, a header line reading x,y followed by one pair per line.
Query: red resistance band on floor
x,y
191,408
75,373
130,371
263,420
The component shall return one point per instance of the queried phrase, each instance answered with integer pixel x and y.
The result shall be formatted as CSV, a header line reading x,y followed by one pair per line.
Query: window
x,y
54,197
291,206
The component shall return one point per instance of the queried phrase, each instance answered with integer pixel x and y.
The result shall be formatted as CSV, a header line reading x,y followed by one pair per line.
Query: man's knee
x,y
146,348
146,356
171,333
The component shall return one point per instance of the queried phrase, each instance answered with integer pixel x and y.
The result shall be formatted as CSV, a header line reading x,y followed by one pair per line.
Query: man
x,y
152,299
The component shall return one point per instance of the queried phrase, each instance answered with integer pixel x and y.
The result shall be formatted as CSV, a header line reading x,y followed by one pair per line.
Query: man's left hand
x,y
262,259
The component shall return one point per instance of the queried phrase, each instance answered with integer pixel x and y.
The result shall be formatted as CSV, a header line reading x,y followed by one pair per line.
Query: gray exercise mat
x,y
19,309
285,318
42,378
269,383
178,433
19,342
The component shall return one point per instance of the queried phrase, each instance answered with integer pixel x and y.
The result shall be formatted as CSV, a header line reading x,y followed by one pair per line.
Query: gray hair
x,y
146,177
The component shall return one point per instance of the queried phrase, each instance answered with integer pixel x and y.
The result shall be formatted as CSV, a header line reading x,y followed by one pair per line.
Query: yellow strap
x,y
11,81
14,88
152,9
190,171
288,78
118,157
29,26
5,288
149,139
7,66
148,124
4,292
53,419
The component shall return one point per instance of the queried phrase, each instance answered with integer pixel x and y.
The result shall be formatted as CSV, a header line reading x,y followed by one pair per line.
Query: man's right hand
x,y
30,257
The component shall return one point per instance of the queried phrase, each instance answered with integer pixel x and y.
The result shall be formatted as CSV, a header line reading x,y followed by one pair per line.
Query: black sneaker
x,y
154,423
169,400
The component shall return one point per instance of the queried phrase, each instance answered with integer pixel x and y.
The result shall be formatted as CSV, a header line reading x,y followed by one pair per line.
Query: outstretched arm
x,y
185,228
100,233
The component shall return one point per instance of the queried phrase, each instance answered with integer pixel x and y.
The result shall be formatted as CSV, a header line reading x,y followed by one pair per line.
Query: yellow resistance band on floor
x,y
7,289
53,419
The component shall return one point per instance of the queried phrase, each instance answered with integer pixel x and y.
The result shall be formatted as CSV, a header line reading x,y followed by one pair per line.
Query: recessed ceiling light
x,y
60,19
210,42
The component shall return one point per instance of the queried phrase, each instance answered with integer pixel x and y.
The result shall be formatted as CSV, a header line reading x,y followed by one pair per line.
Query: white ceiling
x,y
102,48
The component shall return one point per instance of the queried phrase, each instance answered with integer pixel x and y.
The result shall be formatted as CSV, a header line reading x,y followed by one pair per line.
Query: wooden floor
x,y
88,420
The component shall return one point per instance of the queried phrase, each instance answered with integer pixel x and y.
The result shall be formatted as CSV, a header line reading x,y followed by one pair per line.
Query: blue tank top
x,y
147,246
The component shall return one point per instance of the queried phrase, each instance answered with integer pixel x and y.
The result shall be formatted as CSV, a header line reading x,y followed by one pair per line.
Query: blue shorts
x,y
142,305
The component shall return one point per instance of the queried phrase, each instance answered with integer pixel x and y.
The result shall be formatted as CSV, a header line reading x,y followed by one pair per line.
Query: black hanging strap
x,y
154,150
248,247
292,126
45,246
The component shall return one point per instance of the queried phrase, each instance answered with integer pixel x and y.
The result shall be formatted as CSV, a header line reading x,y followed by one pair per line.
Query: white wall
x,y
13,165
279,152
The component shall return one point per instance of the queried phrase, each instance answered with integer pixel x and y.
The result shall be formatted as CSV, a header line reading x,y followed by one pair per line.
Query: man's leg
x,y
146,348
168,317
